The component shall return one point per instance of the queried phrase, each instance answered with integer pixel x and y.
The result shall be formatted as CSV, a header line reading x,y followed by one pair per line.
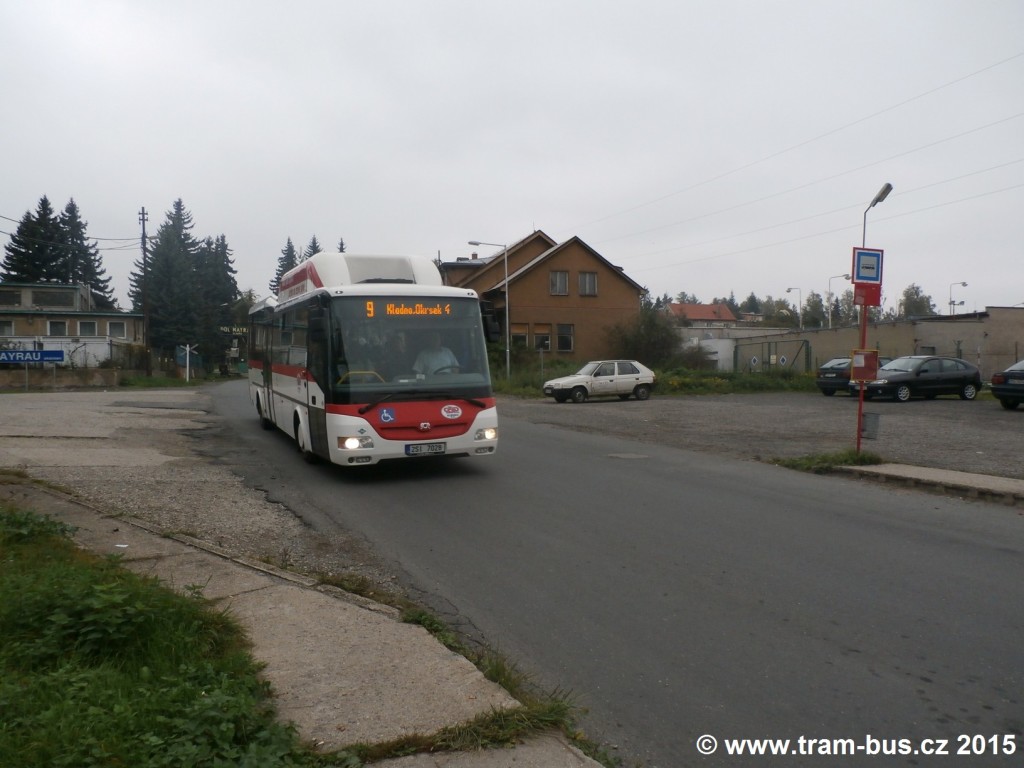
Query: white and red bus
x,y
366,358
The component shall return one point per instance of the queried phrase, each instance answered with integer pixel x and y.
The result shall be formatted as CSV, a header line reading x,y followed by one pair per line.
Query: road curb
x,y
1000,490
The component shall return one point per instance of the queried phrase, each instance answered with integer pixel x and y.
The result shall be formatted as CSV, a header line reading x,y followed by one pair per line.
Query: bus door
x,y
318,383
261,360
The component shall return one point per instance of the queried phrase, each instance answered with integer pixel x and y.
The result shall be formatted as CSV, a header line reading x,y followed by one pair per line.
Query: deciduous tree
x,y
651,338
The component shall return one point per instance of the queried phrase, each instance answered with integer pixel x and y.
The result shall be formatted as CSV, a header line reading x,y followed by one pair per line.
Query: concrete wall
x,y
55,377
992,340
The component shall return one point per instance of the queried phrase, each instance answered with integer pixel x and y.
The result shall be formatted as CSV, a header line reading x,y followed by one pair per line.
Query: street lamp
x,y
834,277
508,328
882,194
951,304
799,306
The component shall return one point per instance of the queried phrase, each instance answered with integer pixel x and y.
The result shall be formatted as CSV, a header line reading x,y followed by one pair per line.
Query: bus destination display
x,y
418,309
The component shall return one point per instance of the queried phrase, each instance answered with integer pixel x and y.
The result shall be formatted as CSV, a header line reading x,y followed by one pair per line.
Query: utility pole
x,y
143,218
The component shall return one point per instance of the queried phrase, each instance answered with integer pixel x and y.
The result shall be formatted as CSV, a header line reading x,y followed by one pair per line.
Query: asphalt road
x,y
679,593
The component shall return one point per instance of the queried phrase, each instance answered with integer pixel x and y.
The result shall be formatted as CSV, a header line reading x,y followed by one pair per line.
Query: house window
x,y
559,283
565,338
117,329
87,328
518,339
57,328
588,283
53,298
10,298
6,327
542,336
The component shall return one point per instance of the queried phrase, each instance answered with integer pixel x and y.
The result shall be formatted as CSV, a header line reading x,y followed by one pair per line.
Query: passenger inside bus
x,y
435,358
353,363
397,357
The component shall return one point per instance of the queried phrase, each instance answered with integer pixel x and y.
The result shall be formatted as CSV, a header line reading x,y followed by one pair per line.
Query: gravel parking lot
x,y
946,433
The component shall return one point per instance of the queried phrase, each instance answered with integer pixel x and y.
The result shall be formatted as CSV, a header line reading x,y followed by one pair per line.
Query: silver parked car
x,y
603,378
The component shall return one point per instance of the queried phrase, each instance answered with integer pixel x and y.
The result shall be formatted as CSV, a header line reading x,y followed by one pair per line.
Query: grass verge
x,y
103,667
823,463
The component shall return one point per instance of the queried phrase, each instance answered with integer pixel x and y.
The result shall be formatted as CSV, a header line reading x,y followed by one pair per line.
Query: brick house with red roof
x,y
703,315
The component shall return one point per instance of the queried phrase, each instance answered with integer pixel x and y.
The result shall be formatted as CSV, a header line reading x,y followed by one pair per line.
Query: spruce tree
x,y
288,260
82,261
35,252
217,291
341,245
312,249
171,282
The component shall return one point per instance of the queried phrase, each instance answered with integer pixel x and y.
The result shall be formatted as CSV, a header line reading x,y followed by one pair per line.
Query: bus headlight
x,y
486,433
354,443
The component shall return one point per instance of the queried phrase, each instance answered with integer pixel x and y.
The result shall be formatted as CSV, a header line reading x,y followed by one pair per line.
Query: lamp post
x,y
882,194
799,306
951,304
834,277
508,328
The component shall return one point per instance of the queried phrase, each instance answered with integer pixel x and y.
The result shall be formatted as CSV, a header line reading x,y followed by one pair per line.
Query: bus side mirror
x,y
492,329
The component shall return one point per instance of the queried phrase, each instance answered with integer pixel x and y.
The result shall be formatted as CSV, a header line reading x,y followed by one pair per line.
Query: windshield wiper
x,y
375,402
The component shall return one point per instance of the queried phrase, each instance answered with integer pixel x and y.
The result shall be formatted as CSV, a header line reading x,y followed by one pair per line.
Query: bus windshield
x,y
400,346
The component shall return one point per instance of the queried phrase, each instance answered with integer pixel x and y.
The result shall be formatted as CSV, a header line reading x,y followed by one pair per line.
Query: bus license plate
x,y
424,449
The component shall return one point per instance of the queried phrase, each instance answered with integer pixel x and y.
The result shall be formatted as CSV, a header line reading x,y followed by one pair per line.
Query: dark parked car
x,y
925,376
834,376
1008,386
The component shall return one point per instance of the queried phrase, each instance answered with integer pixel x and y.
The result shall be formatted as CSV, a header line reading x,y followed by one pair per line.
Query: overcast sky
x,y
706,146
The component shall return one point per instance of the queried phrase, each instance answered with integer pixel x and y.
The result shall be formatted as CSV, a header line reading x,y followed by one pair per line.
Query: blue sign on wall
x,y
32,356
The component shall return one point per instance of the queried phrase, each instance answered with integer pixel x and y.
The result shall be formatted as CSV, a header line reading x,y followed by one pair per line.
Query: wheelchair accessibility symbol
x,y
387,415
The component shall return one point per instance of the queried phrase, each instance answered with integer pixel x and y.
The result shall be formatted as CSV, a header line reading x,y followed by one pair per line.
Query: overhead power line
x,y
805,142
818,181
812,235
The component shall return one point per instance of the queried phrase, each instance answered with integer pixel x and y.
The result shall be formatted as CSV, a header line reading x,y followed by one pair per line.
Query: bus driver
x,y
434,358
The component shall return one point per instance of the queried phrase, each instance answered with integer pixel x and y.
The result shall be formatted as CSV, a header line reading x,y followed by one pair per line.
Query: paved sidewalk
x,y
345,670
1006,490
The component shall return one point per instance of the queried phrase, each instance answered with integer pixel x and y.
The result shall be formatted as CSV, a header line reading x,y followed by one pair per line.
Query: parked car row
x,y
834,376
900,378
926,376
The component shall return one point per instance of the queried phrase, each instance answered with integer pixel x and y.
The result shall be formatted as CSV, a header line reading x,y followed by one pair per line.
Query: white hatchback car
x,y
603,378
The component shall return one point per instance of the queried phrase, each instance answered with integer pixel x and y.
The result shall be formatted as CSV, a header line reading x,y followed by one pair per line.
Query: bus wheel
x,y
264,421
307,455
